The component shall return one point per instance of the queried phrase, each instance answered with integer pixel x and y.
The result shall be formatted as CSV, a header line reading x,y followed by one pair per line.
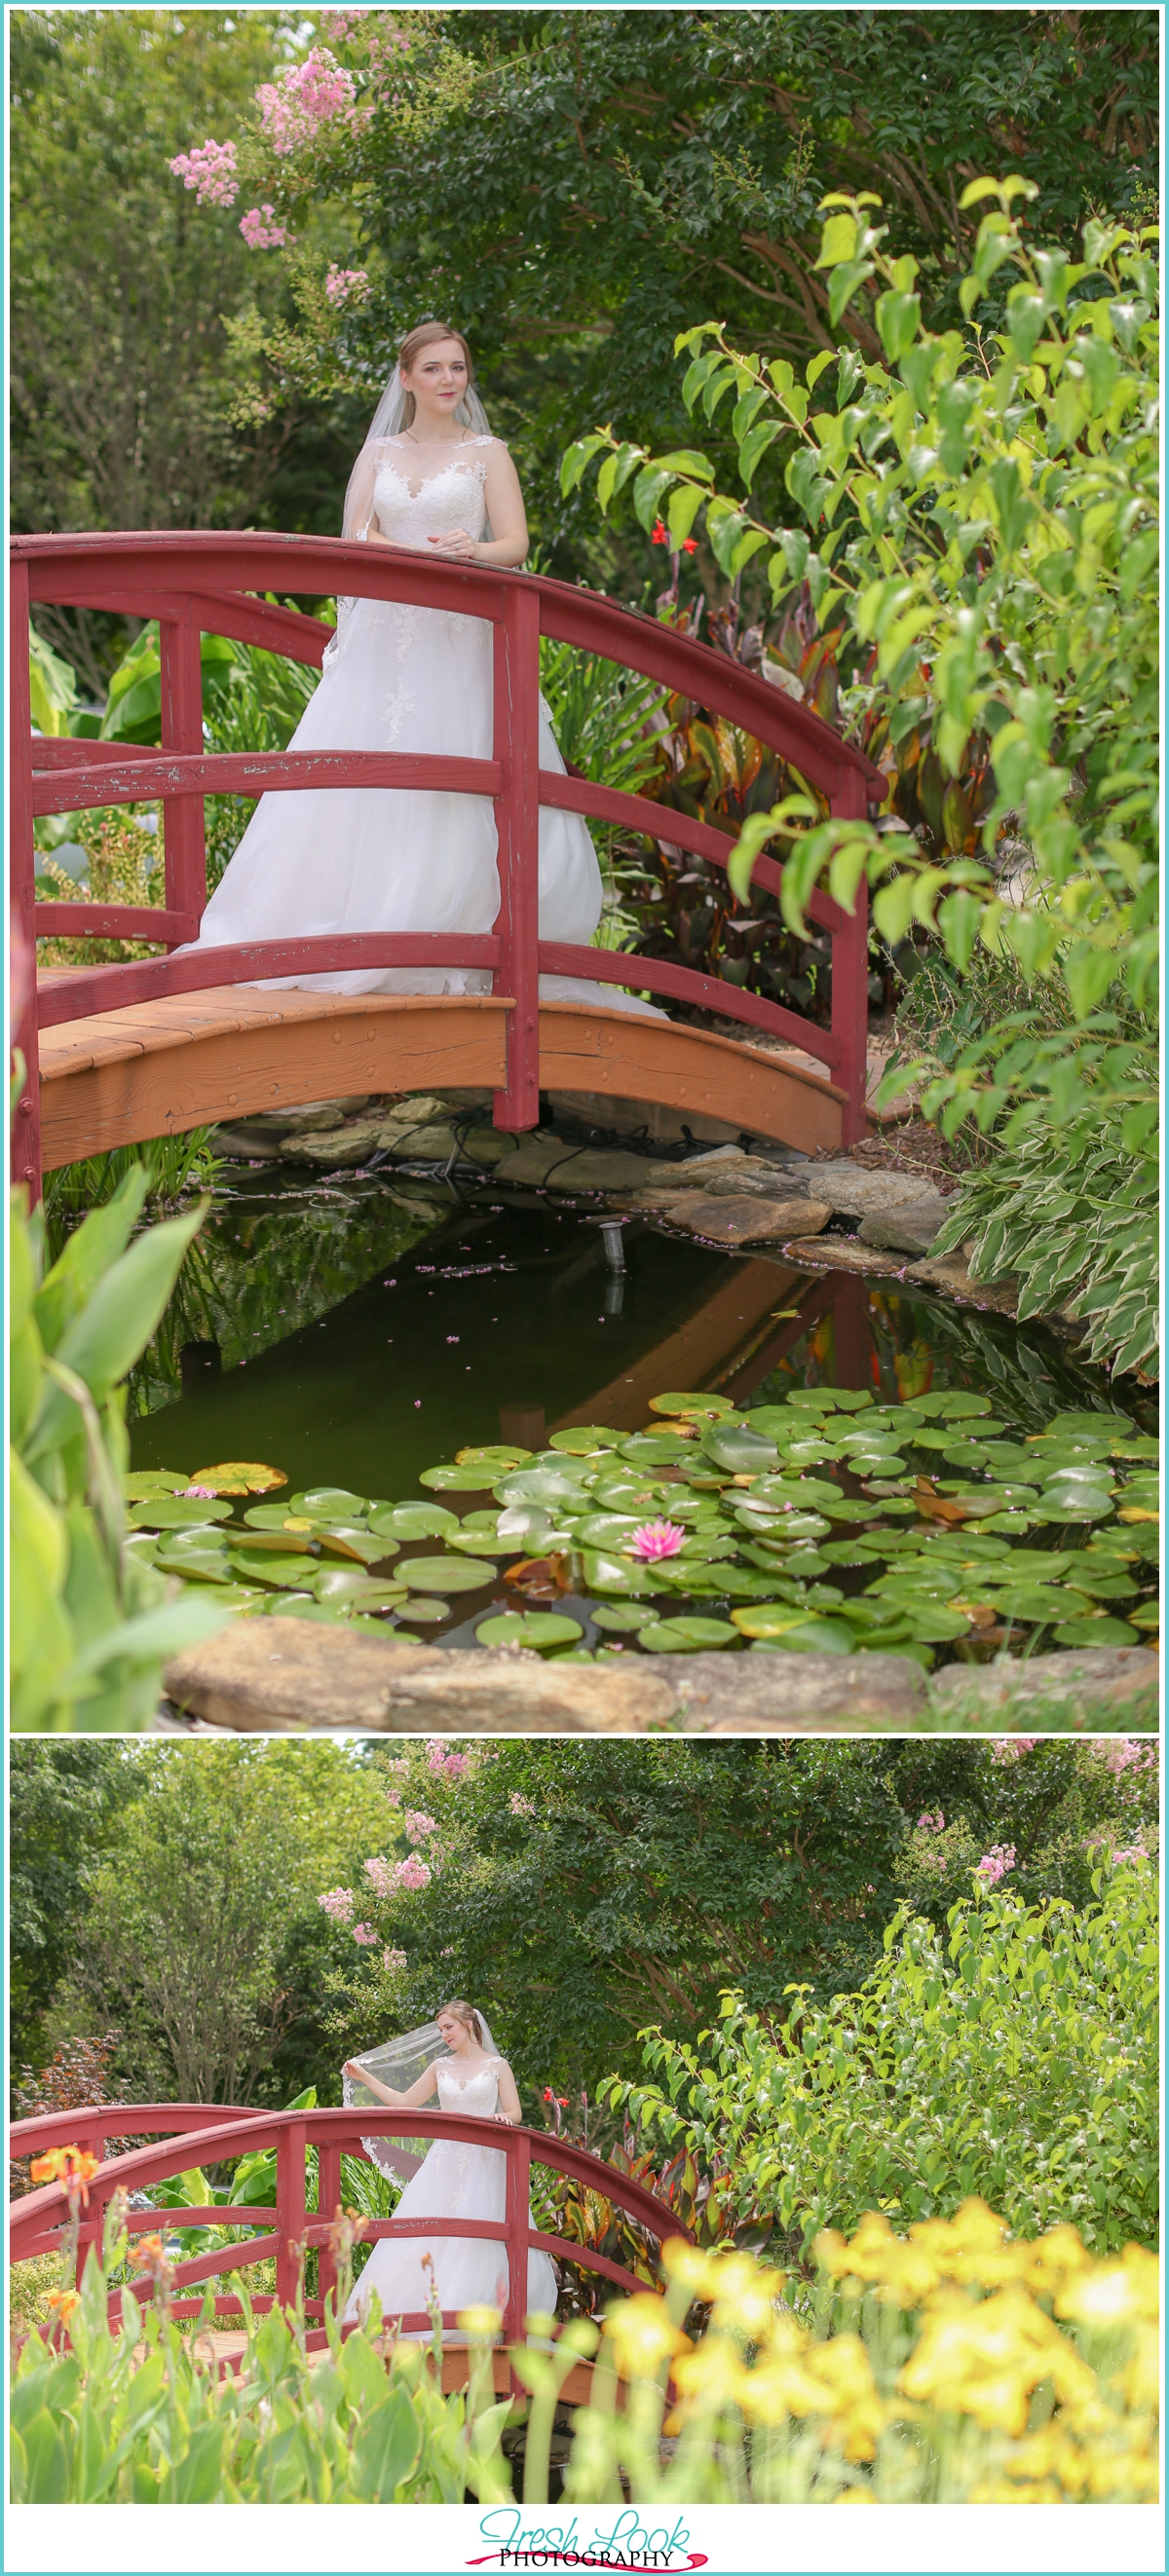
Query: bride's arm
x,y
509,2100
508,542
418,2093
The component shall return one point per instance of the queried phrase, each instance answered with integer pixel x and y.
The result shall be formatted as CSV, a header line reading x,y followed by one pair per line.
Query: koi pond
x,y
482,1415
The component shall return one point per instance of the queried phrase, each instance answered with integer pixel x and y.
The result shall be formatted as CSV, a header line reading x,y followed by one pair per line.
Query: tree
x,y
580,1890
63,1804
188,1941
573,188
121,303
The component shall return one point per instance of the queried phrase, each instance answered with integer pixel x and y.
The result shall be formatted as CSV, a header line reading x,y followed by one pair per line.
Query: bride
x,y
455,2180
395,678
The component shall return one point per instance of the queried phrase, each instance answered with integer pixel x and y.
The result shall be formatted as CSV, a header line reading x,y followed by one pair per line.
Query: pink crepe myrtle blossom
x,y
412,1873
995,1863
393,1959
418,1825
934,1824
655,1540
380,1874
260,229
446,1765
351,286
338,24
1120,1752
365,1934
294,107
211,171
338,1903
1009,1748
521,1806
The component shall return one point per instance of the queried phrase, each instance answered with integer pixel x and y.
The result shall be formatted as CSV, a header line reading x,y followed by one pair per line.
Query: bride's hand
x,y
352,2069
456,542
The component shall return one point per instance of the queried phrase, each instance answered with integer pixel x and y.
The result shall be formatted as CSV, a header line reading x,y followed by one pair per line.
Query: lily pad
x,y
494,1457
279,1516
330,1502
162,1481
424,1612
692,1405
547,1484
742,1453
240,1476
459,1480
197,1567
279,1543
445,1573
617,1616
364,1545
784,1626
538,1628
585,1440
301,1605
286,1572
685,1636
205,1540
1039,1601
348,1583
481,1542
608,1573
1097,1632
172,1511
412,1521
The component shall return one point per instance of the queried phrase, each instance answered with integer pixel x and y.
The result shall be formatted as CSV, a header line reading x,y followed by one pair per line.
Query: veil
x,y
399,2063
387,422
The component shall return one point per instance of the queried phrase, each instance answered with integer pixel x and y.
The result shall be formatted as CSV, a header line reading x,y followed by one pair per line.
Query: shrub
x,y
1012,2054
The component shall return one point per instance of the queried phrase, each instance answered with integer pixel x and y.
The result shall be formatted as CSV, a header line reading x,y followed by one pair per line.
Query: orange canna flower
x,y
64,2301
73,2166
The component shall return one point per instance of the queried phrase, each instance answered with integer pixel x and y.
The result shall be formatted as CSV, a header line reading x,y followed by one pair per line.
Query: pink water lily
x,y
656,1539
197,1493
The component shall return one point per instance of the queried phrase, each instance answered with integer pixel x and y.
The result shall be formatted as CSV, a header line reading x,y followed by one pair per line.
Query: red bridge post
x,y
328,2203
184,823
26,1125
517,2217
290,2209
517,817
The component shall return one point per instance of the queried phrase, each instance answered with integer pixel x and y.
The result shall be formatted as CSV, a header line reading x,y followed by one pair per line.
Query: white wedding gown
x,y
455,2180
396,678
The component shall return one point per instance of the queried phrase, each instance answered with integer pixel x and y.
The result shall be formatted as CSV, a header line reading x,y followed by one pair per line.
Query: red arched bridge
x,y
117,1054
199,2134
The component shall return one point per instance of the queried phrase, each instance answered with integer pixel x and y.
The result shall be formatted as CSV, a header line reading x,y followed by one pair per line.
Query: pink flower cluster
x,y
446,1765
393,1958
934,1824
364,1932
260,229
387,1877
1120,1752
418,1825
995,1863
338,24
338,1903
301,100
198,1493
657,1539
412,1873
348,286
210,170
1009,1748
521,1806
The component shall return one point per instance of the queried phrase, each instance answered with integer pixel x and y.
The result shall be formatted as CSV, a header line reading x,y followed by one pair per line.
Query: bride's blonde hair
x,y
422,337
465,2012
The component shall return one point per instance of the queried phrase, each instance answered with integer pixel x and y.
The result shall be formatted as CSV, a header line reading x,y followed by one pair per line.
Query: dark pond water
x,y
356,1333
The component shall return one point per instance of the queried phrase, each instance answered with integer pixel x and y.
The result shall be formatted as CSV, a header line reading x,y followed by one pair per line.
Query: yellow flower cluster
x,y
1043,2360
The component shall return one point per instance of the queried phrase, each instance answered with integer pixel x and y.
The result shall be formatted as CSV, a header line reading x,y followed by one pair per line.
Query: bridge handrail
x,y
38,2220
91,2125
204,581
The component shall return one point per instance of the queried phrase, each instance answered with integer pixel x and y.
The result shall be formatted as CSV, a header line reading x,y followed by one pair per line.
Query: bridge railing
x,y
206,583
40,2221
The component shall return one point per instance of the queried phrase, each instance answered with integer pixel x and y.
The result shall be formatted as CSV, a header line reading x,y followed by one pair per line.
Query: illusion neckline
x,y
391,450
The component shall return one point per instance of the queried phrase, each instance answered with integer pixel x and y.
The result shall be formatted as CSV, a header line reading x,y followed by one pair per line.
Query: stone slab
x,y
952,1274
750,1218
735,1694
1091,1680
852,1189
912,1226
273,1675
338,1146
842,1252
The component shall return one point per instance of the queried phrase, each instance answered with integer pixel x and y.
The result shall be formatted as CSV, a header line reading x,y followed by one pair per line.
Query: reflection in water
x,y
367,1330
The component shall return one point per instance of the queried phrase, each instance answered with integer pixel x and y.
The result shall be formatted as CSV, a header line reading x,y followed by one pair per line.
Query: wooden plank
x,y
659,975
633,1058
148,1087
248,773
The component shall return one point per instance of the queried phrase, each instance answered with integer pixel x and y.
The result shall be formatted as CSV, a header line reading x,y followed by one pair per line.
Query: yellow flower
x,y
642,2336
1114,2293
480,2321
711,2376
986,2357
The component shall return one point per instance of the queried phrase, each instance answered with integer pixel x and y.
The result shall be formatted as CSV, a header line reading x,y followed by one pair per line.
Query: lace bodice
x,y
476,2094
413,503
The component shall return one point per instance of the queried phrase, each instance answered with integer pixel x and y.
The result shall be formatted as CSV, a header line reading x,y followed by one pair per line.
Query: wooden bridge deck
x,y
194,1059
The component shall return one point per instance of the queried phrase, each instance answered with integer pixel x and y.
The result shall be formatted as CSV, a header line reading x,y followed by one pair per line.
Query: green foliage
x,y
201,1939
63,1802
100,2420
1012,2055
620,174
91,1625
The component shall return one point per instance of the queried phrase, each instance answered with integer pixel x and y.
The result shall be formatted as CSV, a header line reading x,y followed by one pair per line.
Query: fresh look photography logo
x,y
627,2542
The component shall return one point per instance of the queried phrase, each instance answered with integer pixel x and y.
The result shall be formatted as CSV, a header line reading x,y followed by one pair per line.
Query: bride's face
x,y
458,2037
437,380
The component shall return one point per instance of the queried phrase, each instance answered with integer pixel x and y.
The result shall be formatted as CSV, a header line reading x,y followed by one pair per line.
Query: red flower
x,y
689,545
659,537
